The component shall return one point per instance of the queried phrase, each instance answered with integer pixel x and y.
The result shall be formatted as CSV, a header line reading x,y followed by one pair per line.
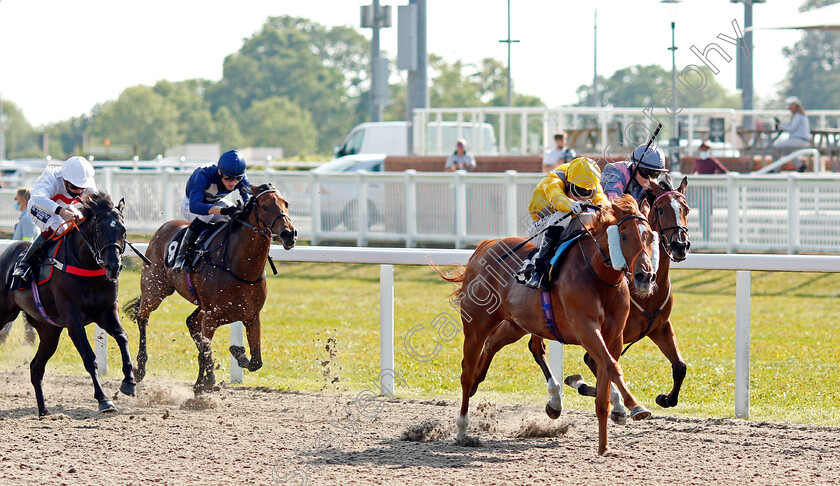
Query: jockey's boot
x,y
23,270
184,259
539,276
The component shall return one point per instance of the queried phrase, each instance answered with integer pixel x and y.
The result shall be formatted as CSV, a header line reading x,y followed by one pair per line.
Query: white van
x,y
392,138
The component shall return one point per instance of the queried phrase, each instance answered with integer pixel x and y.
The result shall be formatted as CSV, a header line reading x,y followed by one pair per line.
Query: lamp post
x,y
508,41
674,148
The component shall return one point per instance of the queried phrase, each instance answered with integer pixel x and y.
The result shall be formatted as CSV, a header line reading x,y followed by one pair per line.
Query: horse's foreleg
x,y
555,402
602,407
111,325
202,331
48,342
76,330
666,340
252,330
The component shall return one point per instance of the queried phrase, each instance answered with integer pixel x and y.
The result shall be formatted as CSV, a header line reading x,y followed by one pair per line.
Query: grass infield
x,y
321,332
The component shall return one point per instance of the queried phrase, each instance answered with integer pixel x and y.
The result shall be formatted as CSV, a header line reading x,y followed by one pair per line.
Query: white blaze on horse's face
x,y
675,204
113,223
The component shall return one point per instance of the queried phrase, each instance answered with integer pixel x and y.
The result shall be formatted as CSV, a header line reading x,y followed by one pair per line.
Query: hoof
x,y
128,389
107,406
571,378
551,412
238,352
664,402
43,413
620,418
639,412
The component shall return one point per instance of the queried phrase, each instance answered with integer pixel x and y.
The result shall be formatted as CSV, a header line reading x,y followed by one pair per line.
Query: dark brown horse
x,y
590,298
82,289
650,315
229,280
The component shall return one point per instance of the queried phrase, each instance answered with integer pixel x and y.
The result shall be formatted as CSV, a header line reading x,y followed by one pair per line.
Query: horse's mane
x,y
666,183
624,204
94,202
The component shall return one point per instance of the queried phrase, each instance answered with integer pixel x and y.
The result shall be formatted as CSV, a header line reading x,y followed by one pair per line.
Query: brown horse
x,y
590,298
650,315
229,280
82,289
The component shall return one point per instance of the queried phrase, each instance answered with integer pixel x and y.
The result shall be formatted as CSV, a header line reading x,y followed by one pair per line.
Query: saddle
x,y
55,255
556,262
202,244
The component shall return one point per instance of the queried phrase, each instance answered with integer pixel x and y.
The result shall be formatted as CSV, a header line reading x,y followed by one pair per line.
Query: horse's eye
x,y
623,237
263,207
659,210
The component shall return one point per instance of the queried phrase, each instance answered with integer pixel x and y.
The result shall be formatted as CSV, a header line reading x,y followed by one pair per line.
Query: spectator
x,y
24,228
560,154
703,196
705,164
798,128
460,159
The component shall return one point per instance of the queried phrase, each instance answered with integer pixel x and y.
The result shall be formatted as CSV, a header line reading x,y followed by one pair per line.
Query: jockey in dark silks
x,y
204,206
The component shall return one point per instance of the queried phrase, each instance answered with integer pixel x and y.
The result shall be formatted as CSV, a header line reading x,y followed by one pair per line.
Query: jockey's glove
x,y
228,210
577,207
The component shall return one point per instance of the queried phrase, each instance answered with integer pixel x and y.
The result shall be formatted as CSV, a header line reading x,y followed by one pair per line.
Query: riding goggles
x,y
580,192
231,178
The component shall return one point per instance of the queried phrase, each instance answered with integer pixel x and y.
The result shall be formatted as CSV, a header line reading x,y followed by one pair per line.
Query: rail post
x,y
386,328
100,339
235,340
743,279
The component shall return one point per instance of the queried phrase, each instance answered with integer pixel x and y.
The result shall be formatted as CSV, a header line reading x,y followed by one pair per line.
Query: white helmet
x,y
78,171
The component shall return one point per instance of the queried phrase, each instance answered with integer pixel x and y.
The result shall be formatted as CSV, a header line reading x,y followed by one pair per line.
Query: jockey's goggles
x,y
580,192
231,178
73,188
647,173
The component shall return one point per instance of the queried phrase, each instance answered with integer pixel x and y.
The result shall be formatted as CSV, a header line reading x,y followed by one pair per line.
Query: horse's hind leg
x,y
48,342
666,340
475,335
619,412
154,291
554,406
111,325
506,333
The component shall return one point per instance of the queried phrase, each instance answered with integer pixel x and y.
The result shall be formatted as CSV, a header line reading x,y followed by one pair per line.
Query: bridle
x,y
265,230
607,262
630,265
665,240
94,248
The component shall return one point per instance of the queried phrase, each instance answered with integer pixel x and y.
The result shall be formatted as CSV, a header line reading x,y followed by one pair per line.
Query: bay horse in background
x,y
590,298
82,288
650,315
228,284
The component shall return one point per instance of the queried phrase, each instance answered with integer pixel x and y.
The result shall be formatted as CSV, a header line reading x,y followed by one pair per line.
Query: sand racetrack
x,y
250,436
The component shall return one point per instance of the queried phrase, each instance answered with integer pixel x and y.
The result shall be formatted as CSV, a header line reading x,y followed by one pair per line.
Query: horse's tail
x,y
456,276
132,308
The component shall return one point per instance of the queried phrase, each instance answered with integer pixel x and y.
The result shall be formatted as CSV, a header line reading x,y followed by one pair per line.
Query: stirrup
x,y
23,271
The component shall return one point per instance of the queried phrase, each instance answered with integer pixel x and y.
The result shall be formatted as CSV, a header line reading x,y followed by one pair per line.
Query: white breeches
x,y
207,218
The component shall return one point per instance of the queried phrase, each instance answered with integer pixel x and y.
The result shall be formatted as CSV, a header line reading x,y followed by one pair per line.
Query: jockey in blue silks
x,y
204,206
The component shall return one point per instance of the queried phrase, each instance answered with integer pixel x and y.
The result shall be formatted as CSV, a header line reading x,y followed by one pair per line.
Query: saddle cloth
x,y
202,244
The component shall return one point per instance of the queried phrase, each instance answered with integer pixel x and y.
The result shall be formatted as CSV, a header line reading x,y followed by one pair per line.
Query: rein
x,y
265,231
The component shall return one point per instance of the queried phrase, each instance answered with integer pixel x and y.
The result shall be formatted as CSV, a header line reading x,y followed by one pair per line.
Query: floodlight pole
x,y
508,41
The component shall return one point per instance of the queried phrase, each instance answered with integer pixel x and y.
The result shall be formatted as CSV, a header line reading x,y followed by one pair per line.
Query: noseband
x,y
665,240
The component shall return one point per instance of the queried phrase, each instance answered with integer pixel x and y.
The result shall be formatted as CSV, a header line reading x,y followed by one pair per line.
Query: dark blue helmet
x,y
653,159
232,164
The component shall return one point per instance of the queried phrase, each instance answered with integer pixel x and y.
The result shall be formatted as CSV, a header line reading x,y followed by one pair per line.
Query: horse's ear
x,y
121,205
683,185
644,207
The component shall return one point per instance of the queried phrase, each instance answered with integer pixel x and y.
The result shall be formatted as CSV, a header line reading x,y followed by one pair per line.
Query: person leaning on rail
x,y
53,200
563,190
204,206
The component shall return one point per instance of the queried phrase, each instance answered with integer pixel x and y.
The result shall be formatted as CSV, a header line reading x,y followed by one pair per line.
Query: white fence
x,y
387,257
788,213
530,130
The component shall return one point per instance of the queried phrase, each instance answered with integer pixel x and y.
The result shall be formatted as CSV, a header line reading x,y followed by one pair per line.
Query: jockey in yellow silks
x,y
563,190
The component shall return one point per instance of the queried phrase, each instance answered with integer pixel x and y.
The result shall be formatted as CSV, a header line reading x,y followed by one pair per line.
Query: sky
x,y
58,58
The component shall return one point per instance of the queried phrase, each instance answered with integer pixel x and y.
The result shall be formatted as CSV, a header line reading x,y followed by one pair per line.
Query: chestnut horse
x,y
82,289
228,283
650,316
590,299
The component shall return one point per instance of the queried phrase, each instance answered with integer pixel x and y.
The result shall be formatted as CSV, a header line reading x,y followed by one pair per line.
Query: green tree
x,y
227,132
651,85
277,122
814,73
140,117
67,137
21,139
313,66
195,121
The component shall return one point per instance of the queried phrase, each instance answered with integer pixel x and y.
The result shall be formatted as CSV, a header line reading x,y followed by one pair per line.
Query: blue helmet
x,y
232,164
653,159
